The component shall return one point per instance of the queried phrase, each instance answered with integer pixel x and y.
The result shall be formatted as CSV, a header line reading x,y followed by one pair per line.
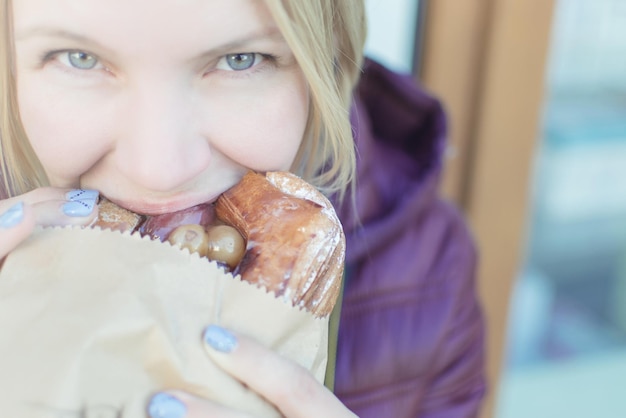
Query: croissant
x,y
292,242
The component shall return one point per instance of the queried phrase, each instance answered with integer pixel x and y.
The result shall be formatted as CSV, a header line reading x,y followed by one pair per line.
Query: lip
x,y
160,207
151,203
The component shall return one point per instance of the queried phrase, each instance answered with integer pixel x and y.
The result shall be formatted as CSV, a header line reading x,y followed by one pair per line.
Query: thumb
x,y
284,383
16,224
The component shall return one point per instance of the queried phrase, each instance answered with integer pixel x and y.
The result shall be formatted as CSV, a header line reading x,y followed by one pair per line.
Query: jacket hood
x,y
399,133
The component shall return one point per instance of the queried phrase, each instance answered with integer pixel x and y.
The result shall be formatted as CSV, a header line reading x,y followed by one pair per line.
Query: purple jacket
x,y
411,331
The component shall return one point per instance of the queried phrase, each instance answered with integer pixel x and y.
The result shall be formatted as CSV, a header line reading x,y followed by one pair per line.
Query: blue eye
x,y
240,62
82,60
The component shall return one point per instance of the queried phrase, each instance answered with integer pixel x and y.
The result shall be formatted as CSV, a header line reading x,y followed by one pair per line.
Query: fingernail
x,y
82,194
79,208
164,405
13,216
220,339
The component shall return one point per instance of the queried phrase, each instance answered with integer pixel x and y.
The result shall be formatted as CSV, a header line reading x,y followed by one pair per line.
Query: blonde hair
x,y
20,169
326,37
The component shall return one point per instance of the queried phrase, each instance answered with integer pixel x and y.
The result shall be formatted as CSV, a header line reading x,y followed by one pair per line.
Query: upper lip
x,y
146,202
159,207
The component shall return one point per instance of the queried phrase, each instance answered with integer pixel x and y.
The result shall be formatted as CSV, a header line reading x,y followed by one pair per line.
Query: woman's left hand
x,y
287,385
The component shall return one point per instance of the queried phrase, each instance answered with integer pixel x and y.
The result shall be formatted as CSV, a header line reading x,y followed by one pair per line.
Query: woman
x,y
163,105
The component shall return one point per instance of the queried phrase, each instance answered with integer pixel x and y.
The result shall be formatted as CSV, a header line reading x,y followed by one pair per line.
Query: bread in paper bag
x,y
94,321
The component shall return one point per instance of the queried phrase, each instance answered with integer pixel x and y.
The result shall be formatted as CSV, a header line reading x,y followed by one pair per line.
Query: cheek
x,y
263,130
62,130
258,127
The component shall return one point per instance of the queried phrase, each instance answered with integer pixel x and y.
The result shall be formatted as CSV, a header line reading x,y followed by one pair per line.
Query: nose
x,y
161,147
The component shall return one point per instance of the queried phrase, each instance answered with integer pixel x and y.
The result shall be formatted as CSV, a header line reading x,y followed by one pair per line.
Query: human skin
x,y
153,105
161,122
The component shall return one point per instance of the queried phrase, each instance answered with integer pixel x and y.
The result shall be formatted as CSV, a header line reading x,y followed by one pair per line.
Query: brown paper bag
x,y
93,322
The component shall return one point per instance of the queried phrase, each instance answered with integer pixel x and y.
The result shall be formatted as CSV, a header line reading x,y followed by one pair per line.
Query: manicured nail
x,y
79,208
220,339
164,405
82,194
13,216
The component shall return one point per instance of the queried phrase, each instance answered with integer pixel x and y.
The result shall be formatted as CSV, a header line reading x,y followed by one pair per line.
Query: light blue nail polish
x,y
79,208
164,405
13,216
220,339
82,194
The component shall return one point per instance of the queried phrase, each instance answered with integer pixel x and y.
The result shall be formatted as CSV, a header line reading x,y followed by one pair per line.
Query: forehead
x,y
161,23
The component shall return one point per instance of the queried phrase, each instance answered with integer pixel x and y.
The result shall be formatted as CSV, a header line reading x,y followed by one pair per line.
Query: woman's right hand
x,y
46,207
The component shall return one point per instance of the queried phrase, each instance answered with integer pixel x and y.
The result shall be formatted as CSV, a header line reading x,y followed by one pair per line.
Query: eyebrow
x,y
57,33
51,32
271,33
267,34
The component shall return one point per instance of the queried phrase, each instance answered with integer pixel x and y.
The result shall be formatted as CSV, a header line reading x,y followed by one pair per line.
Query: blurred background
x,y
536,95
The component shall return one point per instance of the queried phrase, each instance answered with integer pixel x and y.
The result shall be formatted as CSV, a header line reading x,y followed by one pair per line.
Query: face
x,y
160,105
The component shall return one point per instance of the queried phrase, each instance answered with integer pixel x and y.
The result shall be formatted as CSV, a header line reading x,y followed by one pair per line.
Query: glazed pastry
x,y
295,243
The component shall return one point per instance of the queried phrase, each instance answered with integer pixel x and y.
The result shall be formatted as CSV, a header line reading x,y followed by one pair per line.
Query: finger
x,y
16,223
59,207
64,213
45,207
290,387
44,194
176,404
